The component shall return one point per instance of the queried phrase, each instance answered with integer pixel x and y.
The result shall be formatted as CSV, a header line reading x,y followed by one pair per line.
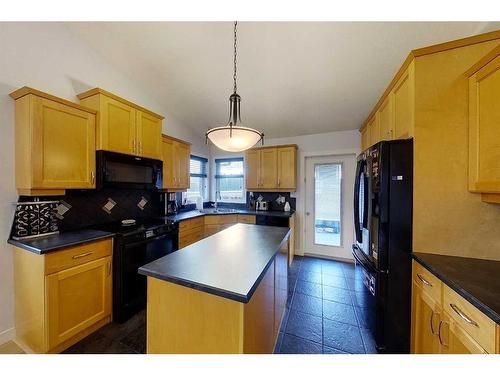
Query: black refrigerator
x,y
383,201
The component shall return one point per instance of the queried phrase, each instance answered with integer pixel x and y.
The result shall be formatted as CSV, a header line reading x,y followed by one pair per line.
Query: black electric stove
x,y
134,246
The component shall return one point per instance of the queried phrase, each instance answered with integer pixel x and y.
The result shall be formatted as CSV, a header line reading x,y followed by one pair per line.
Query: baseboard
x,y
345,260
7,335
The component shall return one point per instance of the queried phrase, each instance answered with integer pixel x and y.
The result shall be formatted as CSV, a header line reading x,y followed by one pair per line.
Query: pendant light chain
x,y
234,75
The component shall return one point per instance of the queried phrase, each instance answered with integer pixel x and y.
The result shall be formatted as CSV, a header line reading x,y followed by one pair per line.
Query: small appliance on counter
x,y
171,204
262,205
35,219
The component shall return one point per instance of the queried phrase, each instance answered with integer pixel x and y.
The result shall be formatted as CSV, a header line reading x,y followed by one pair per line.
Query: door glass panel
x,y
327,204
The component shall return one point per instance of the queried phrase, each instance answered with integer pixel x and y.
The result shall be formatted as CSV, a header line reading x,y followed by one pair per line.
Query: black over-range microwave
x,y
127,171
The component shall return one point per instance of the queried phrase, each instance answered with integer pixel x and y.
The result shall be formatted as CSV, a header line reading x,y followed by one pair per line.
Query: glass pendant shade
x,y
234,137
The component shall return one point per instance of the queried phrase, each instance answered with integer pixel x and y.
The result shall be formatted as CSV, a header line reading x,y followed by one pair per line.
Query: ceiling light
x,y
234,137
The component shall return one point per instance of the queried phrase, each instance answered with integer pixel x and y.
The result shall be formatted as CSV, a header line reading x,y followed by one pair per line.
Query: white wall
x,y
333,143
50,58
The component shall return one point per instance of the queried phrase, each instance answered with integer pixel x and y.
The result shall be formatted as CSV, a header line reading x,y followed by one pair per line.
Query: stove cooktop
x,y
140,225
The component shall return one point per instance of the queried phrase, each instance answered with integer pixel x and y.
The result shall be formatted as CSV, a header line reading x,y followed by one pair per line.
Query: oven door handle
x,y
172,235
368,267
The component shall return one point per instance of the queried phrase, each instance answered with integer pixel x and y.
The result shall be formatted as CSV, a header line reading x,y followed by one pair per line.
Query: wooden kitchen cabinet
x,y
271,168
385,120
62,296
403,100
365,138
484,128
374,126
287,165
54,142
176,156
124,126
443,322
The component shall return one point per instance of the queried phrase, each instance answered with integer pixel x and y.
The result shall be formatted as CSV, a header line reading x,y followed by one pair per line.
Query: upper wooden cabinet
x,y
271,168
395,116
484,128
176,156
123,126
55,144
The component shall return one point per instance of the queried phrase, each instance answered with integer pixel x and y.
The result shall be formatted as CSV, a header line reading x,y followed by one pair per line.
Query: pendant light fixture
x,y
234,137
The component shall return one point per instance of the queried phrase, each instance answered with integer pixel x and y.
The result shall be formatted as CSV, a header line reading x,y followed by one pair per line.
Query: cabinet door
x,y
168,163
77,298
63,146
365,138
268,168
454,340
484,129
373,124
287,167
385,117
148,135
117,127
426,315
252,167
403,101
183,155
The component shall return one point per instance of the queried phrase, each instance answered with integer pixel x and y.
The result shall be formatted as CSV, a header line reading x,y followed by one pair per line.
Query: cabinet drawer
x,y
192,236
220,219
427,281
76,255
191,231
192,223
474,322
211,229
247,219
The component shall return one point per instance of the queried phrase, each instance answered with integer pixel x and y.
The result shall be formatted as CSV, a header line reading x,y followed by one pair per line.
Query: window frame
x,y
203,175
218,176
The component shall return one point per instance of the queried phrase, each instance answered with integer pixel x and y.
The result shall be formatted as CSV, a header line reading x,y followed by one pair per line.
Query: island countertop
x,y
229,264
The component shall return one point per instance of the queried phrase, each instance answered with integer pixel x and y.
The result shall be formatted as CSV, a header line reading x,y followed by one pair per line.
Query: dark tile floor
x,y
324,315
325,310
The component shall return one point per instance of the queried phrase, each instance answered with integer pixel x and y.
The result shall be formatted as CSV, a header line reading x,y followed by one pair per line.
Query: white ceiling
x,y
294,78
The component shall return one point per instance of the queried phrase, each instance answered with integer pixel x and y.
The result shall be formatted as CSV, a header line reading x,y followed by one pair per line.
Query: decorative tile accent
x,y
142,203
61,209
110,204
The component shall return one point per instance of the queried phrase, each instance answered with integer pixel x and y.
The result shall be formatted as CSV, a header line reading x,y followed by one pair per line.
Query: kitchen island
x,y
224,294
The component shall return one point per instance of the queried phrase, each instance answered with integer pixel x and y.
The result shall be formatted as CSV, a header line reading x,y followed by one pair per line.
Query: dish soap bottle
x,y
287,207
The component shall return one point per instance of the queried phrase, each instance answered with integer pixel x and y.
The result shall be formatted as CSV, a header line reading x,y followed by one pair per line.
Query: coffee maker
x,y
171,204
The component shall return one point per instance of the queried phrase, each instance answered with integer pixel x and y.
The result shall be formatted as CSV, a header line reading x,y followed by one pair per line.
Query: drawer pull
x,y
424,280
432,323
462,315
82,255
441,341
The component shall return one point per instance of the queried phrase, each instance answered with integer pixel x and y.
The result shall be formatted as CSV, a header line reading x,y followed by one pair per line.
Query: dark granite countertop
x,y
54,242
477,280
211,211
229,264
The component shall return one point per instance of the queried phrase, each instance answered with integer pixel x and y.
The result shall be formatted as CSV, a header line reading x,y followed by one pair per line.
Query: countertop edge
x,y
38,251
238,212
217,291
485,309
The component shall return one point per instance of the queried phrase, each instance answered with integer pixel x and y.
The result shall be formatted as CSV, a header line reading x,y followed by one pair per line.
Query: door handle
x,y
134,147
432,323
82,255
461,314
308,213
441,341
92,177
423,280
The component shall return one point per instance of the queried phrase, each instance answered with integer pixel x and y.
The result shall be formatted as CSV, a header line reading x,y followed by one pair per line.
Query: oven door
x,y
129,288
127,171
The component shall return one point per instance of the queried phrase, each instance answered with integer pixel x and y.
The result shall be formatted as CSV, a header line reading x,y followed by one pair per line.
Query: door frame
x,y
302,188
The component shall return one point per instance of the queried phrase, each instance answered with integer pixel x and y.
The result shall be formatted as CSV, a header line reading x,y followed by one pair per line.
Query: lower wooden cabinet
x,y
191,231
62,296
443,322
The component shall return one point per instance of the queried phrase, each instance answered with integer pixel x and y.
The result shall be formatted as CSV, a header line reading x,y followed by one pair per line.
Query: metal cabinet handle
x,y
140,147
82,255
134,146
463,315
109,268
441,341
278,182
432,323
92,177
423,280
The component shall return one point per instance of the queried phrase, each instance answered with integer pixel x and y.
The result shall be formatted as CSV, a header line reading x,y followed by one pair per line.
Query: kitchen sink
x,y
219,211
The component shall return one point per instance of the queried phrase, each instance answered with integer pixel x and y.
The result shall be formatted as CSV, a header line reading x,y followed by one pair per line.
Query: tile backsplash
x,y
271,197
94,207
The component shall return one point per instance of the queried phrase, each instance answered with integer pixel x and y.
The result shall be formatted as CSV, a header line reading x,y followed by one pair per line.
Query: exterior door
x,y
329,221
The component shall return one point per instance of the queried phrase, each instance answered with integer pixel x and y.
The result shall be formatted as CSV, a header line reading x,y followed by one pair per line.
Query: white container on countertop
x,y
287,207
